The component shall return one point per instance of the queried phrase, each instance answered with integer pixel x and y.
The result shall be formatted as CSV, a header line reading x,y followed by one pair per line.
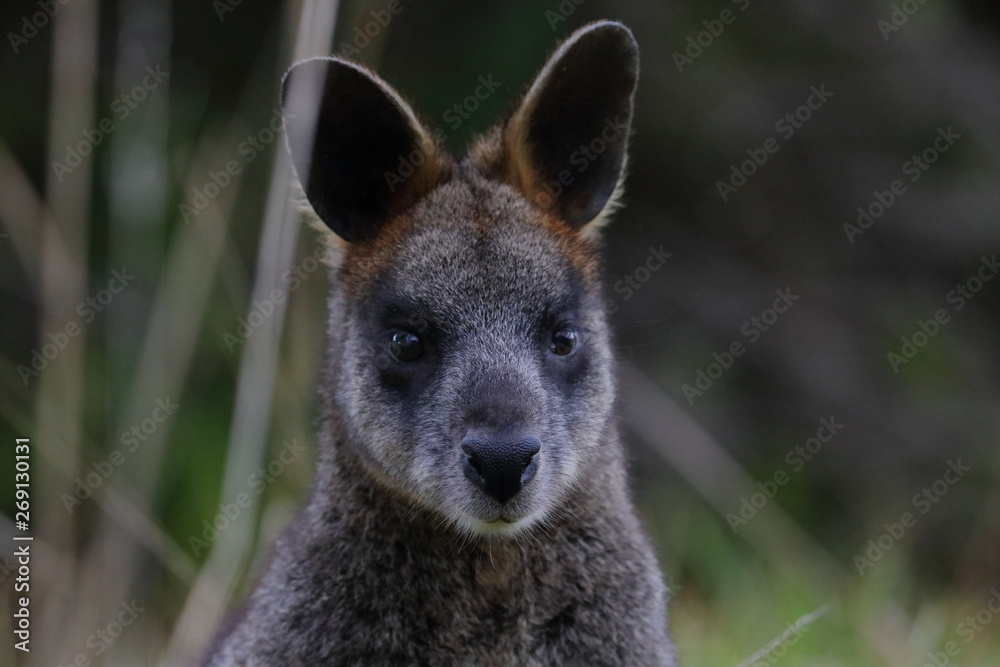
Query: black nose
x,y
500,464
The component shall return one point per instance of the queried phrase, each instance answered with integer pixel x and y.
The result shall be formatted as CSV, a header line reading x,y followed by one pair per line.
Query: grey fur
x,y
397,558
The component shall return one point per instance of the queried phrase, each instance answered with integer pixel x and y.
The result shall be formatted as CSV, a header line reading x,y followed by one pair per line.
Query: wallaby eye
x,y
406,346
564,342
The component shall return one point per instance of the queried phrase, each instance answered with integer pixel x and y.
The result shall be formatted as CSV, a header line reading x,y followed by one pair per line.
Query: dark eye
x,y
406,346
564,342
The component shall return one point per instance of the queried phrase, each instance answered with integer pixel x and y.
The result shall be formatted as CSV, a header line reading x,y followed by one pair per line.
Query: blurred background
x,y
802,283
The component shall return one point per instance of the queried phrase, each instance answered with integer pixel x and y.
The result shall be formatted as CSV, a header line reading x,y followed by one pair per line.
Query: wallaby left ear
x,y
565,146
350,136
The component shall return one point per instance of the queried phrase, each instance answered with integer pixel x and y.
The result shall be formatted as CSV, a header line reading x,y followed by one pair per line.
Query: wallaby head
x,y
470,365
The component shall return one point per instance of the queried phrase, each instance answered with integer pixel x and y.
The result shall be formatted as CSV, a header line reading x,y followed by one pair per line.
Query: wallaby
x,y
470,505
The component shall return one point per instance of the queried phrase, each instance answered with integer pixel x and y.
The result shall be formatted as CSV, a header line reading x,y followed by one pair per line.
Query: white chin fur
x,y
499,528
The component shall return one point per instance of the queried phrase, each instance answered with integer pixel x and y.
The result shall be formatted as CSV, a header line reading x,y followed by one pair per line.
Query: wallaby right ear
x,y
360,152
565,147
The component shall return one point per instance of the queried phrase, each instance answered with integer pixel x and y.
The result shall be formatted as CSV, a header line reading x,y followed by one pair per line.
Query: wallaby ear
x,y
359,151
565,145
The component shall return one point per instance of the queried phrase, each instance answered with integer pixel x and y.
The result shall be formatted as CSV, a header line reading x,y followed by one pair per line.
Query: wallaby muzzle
x,y
500,463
